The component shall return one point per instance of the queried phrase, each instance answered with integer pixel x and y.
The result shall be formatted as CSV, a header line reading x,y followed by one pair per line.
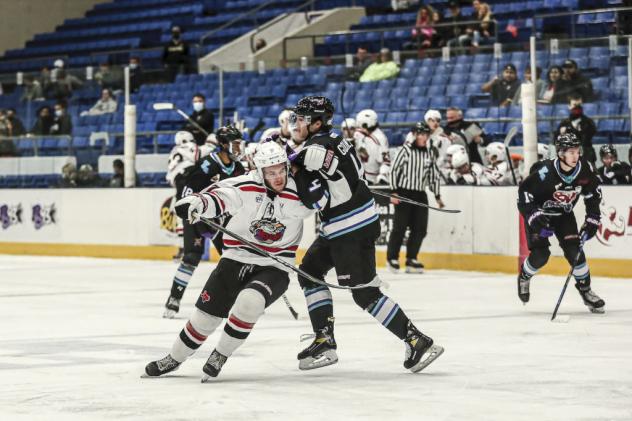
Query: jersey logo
x,y
205,166
564,196
564,199
542,173
344,147
267,230
205,297
315,185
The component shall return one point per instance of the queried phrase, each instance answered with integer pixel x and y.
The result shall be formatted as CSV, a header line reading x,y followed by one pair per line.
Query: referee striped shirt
x,y
414,169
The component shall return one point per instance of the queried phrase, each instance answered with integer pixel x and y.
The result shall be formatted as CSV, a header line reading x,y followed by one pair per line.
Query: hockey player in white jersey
x,y
283,131
498,171
266,210
372,147
445,163
464,172
349,127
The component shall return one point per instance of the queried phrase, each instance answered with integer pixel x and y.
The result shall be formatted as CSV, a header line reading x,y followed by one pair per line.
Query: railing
x,y
36,140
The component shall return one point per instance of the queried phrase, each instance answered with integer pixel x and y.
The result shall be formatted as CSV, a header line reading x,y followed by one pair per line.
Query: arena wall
x,y
136,223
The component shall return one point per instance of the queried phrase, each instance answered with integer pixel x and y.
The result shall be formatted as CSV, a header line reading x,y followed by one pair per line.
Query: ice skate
x,y
591,300
523,287
414,266
393,265
160,367
172,306
420,350
322,351
213,365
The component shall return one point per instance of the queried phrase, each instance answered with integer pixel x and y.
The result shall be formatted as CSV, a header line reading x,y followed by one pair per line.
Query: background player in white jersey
x,y
372,147
498,171
349,127
465,173
283,131
265,210
445,164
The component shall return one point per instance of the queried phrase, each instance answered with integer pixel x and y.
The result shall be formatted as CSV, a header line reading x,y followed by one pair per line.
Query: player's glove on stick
x,y
539,223
195,206
590,227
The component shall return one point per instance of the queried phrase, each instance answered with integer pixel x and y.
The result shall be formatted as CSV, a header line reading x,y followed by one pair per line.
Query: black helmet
x,y
421,127
567,140
315,107
608,150
227,134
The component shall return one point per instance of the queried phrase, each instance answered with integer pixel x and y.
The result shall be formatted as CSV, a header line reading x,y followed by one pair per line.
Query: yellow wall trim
x,y
619,268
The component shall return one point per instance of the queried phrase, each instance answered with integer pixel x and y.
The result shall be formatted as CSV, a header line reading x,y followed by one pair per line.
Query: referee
x,y
412,171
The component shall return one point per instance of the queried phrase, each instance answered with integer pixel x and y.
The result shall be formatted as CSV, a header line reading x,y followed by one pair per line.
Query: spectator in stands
x,y
362,61
573,83
105,105
135,73
109,77
503,90
64,85
551,94
118,179
58,65
16,123
385,68
485,30
43,123
45,81
453,32
469,133
203,117
68,176
87,177
584,127
6,129
175,56
540,85
62,123
32,89
424,34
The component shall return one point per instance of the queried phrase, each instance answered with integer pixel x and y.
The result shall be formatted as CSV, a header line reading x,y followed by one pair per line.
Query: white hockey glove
x,y
199,205
317,158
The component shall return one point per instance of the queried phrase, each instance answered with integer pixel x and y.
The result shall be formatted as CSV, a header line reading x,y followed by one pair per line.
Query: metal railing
x,y
36,142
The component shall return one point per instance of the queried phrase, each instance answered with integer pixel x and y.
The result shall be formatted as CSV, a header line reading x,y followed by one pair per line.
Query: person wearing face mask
x,y
135,74
62,123
175,56
583,126
203,117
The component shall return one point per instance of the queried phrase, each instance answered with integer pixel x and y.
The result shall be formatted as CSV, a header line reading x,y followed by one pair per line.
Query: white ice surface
x,y
76,333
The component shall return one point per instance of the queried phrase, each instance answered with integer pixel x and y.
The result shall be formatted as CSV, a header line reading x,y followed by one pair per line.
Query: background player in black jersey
x,y
546,199
329,178
613,171
219,165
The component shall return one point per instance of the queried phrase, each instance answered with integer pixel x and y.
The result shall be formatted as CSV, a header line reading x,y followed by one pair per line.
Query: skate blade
x,y
393,270
328,357
169,314
433,353
410,270
206,378
595,310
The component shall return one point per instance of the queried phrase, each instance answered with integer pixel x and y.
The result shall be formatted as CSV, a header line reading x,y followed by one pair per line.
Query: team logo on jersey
x,y
10,215
564,196
611,225
205,297
43,215
267,230
563,199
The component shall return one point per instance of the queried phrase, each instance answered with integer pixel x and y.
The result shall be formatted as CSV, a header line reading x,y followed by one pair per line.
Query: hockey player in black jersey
x,y
613,171
330,179
219,165
546,199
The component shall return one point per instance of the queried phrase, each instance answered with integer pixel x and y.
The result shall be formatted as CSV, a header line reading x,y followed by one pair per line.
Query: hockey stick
x,y
413,202
289,307
512,133
375,282
159,106
568,278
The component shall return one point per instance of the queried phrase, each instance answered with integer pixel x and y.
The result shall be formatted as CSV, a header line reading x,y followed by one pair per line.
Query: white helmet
x,y
268,154
182,138
284,118
459,158
496,149
543,151
434,114
454,148
349,123
367,119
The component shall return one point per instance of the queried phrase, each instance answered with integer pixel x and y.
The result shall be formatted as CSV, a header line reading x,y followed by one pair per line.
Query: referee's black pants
x,y
408,216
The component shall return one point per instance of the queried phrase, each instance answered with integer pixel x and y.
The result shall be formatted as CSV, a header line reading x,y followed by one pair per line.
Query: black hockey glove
x,y
590,227
539,223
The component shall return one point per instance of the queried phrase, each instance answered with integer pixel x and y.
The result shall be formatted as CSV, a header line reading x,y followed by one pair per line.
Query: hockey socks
x,y
195,332
181,279
319,305
388,313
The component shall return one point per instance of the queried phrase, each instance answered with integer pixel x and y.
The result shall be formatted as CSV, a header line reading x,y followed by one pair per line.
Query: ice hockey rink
x,y
77,333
